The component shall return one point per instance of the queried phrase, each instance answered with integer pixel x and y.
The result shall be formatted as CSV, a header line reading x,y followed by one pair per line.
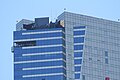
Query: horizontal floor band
x,y
75,36
43,53
78,50
42,46
79,29
78,43
77,72
78,58
38,75
41,32
34,61
48,67
77,65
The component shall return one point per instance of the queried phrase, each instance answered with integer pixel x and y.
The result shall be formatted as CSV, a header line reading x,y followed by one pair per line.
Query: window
x,y
106,53
78,54
106,60
78,61
90,59
79,40
25,43
78,47
82,32
83,77
78,68
77,76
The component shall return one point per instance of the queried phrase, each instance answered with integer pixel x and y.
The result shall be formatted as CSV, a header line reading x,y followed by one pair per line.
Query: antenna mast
x,y
118,19
64,9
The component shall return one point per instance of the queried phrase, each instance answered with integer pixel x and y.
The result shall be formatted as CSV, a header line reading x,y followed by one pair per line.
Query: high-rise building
x,y
75,47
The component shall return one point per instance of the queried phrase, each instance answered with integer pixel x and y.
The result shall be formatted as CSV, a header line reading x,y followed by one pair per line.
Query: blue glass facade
x,y
40,54
79,33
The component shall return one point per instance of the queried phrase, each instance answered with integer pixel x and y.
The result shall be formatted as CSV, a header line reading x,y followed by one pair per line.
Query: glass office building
x,y
39,51
75,47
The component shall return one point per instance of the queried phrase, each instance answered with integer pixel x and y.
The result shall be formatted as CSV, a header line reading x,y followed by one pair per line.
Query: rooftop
x,y
39,23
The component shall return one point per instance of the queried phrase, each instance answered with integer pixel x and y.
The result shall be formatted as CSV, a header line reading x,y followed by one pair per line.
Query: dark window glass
x,y
79,27
79,40
78,68
78,47
78,61
25,43
78,54
79,32
106,53
106,60
83,77
77,76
